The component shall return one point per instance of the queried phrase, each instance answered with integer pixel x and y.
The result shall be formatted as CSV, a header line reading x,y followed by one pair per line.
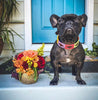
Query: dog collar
x,y
67,46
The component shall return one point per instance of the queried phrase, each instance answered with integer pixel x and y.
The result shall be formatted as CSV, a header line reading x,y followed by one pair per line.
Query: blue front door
x,y
42,32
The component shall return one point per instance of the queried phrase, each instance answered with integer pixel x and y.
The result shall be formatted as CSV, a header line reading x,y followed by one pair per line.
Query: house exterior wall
x,y
95,35
17,23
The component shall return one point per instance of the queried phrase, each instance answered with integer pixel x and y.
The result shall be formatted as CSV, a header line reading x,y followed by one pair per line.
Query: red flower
x,y
41,62
19,56
25,65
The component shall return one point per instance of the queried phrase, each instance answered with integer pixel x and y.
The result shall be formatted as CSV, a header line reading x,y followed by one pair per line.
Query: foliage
x,y
40,50
94,52
7,9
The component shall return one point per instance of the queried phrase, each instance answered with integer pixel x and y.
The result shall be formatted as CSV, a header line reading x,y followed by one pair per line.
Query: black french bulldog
x,y
67,50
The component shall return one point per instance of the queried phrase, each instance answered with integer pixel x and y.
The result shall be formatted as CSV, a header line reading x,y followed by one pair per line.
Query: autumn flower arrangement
x,y
28,65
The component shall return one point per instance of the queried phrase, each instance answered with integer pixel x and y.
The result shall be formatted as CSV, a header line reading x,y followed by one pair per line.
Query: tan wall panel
x,y
19,28
19,43
19,16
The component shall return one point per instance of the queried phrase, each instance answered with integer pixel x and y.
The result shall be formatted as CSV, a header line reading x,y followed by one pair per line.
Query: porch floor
x,y
67,88
66,79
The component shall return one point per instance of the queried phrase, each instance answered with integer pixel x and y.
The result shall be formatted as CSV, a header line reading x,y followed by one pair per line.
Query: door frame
x,y
89,10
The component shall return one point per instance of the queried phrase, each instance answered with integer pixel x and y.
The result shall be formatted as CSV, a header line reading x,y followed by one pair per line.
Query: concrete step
x,y
67,88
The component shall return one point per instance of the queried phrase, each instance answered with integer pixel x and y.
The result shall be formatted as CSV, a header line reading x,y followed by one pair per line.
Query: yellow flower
x,y
35,65
28,59
41,50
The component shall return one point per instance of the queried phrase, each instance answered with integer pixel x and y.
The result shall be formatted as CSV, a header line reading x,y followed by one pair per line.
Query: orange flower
x,y
23,58
29,72
28,69
30,53
20,70
17,63
36,59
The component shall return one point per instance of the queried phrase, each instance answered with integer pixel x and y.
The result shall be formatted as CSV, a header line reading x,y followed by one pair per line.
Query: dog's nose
x,y
69,30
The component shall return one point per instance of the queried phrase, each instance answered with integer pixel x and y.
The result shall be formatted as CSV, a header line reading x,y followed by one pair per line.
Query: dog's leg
x,y
78,76
74,70
54,81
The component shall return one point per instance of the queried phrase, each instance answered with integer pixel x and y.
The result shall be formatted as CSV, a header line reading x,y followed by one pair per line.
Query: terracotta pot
x,y
28,79
1,45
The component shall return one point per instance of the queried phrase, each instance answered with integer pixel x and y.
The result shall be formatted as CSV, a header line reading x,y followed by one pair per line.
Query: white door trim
x,y
89,10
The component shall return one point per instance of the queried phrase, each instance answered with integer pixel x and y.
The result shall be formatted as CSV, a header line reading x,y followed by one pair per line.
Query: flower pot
x,y
1,45
28,79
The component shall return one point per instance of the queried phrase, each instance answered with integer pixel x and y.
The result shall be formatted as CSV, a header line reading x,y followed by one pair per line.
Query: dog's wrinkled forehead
x,y
54,19
69,16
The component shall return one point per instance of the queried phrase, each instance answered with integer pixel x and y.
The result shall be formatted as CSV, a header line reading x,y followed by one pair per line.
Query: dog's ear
x,y
53,20
83,19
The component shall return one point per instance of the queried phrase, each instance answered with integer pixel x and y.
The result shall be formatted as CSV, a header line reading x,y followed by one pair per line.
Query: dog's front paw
x,y
54,82
81,82
74,74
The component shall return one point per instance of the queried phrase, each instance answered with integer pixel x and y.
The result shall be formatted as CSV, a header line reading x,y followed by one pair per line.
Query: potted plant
x,y
28,65
7,9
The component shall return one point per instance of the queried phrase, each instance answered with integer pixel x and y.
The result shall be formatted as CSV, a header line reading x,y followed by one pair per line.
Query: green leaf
x,y
11,44
2,38
35,74
8,8
11,35
20,75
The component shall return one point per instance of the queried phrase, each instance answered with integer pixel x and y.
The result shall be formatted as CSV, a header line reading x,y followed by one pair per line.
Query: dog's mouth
x,y
69,34
69,37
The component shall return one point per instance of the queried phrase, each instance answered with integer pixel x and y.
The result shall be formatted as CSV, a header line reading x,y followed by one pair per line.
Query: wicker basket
x,y
28,79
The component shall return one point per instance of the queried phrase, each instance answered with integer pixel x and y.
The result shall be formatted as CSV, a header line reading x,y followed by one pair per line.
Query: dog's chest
x,y
67,57
68,60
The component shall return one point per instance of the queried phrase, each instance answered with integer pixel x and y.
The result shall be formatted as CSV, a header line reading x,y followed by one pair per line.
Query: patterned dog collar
x,y
67,46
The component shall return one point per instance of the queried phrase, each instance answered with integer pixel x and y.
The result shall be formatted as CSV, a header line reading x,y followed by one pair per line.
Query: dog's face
x,y
68,25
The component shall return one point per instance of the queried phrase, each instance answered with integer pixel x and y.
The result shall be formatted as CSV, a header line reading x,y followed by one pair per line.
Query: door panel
x,y
79,8
68,6
42,32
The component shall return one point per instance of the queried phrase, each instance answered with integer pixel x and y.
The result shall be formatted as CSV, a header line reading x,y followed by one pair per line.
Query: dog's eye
x,y
60,21
76,24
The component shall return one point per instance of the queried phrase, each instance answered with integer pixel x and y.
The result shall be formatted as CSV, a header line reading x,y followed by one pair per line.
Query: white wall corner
x,y
89,10
28,29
